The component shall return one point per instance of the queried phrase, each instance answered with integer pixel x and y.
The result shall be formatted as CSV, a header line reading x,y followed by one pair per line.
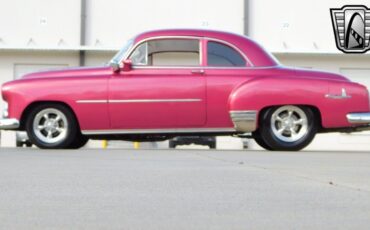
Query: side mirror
x,y
127,65
115,66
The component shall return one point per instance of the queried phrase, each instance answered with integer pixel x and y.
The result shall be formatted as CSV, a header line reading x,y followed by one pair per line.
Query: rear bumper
x,y
9,123
359,118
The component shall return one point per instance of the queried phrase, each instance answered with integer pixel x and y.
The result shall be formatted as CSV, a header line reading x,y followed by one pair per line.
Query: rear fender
x,y
250,98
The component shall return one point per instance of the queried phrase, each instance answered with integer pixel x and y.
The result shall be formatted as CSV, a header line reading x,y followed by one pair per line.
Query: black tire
x,y
28,144
79,142
268,135
70,126
212,146
257,138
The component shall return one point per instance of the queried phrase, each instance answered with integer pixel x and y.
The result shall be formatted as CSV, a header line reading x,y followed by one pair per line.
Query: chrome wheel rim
x,y
289,123
50,126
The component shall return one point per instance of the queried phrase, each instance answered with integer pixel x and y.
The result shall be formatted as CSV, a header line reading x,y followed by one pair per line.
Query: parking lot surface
x,y
183,189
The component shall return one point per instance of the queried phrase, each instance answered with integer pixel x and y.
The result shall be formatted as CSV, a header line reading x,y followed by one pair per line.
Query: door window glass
x,y
167,52
140,55
222,55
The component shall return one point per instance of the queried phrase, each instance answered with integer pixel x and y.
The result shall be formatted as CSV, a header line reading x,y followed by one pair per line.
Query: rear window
x,y
222,55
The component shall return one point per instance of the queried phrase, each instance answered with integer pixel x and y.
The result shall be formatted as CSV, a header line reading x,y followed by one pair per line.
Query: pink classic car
x,y
169,83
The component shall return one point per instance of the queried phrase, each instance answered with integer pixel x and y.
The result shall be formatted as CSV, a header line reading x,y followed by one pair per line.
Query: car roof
x,y
255,53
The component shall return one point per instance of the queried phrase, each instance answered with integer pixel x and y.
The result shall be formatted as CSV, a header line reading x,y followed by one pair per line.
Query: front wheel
x,y
79,142
28,144
51,126
287,128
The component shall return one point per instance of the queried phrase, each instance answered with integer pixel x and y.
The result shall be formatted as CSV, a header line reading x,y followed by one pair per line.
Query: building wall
x,y
36,23
355,67
295,26
98,58
112,22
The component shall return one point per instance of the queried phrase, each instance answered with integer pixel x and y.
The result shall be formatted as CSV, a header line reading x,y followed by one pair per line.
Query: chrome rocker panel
x,y
157,131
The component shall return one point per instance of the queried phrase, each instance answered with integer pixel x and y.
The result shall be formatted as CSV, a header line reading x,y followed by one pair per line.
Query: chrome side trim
x,y
358,118
155,100
155,131
344,95
91,101
9,123
244,120
138,101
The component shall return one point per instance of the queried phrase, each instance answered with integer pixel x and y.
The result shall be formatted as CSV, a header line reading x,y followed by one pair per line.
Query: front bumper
x,y
9,123
359,118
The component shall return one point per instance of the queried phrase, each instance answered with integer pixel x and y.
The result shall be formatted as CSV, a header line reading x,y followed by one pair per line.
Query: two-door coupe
x,y
169,83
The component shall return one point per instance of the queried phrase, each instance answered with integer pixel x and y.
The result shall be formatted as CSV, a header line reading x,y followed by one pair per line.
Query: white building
x,y
45,34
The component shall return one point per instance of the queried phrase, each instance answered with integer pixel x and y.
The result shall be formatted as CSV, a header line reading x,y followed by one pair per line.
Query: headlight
x,y
5,111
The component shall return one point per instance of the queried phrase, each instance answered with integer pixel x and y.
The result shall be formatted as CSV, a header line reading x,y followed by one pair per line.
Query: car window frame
x,y
247,63
138,44
203,54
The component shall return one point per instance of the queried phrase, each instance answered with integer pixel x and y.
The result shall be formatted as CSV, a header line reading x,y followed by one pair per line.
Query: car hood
x,y
71,72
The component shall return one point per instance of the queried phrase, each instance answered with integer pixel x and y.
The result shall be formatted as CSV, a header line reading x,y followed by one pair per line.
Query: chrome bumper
x,y
359,118
9,123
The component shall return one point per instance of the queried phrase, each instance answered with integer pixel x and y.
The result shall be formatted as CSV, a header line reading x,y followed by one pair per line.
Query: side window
x,y
167,52
219,54
140,55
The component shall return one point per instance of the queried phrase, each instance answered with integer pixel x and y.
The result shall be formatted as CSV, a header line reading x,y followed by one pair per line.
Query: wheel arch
x,y
32,105
315,110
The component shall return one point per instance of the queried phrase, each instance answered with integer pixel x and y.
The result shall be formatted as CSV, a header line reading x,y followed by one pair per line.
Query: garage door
x,y
22,69
358,75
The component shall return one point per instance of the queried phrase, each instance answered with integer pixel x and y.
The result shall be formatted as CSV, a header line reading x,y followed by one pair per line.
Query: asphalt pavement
x,y
183,189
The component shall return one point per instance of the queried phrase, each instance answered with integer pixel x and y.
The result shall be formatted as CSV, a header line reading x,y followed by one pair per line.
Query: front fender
x,y
21,94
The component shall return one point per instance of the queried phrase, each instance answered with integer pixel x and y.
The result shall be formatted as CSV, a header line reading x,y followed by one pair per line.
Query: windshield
x,y
121,54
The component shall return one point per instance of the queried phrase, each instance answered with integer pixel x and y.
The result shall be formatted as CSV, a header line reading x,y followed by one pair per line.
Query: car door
x,y
227,68
164,89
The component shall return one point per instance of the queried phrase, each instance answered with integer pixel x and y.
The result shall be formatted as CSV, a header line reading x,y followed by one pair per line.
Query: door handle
x,y
198,71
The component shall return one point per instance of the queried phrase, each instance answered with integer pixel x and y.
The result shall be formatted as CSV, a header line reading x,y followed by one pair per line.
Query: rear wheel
x,y
51,126
288,128
260,141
